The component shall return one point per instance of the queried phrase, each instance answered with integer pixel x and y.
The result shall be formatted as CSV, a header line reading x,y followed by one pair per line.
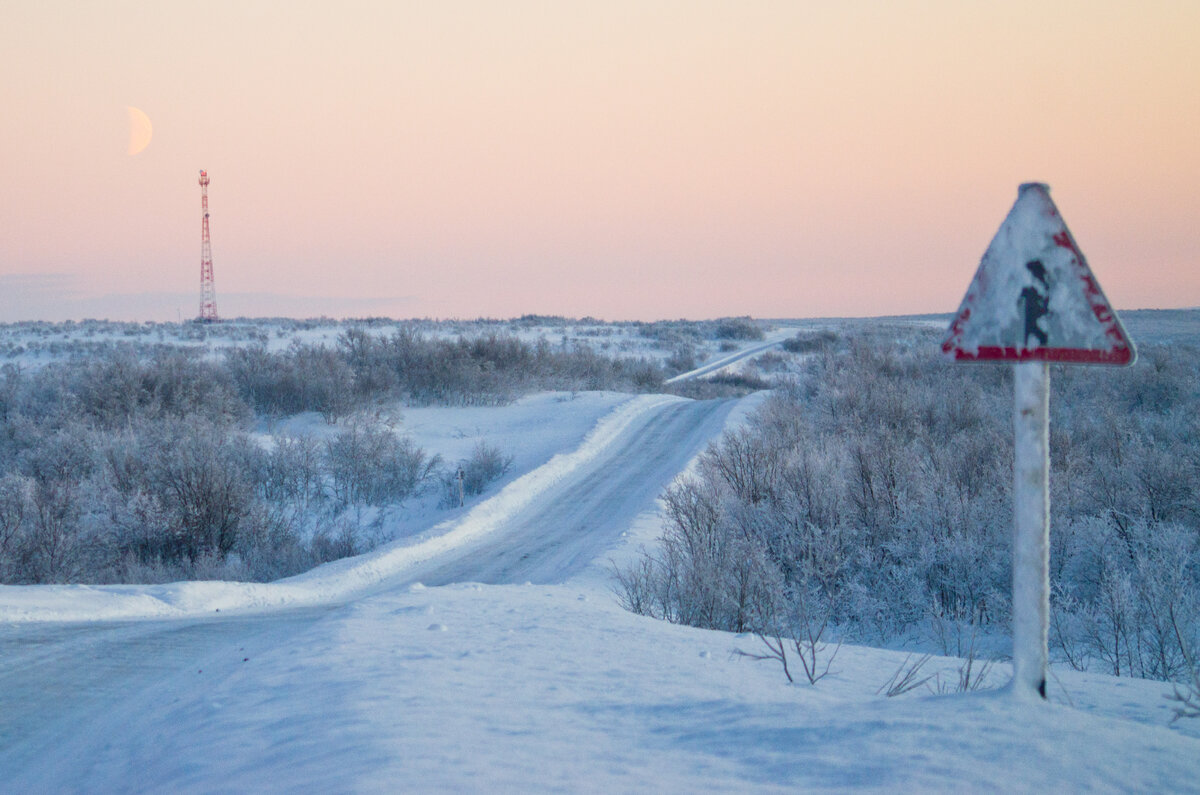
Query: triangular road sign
x,y
1034,298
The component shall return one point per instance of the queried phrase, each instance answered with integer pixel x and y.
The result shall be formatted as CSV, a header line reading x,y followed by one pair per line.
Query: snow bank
x,y
546,688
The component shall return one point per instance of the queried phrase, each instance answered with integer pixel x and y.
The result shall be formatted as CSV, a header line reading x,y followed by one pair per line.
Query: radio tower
x,y
208,293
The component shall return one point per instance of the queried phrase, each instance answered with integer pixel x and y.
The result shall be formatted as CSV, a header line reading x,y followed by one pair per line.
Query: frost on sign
x,y
1034,298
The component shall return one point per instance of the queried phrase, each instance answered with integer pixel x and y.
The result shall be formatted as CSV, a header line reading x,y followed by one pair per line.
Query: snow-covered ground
x,y
519,687
361,676
534,688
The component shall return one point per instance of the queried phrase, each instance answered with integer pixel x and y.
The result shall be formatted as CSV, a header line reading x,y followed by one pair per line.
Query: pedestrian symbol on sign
x,y
1034,298
1035,303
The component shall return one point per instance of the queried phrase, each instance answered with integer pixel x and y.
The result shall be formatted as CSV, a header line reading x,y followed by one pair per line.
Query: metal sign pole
x,y
1031,525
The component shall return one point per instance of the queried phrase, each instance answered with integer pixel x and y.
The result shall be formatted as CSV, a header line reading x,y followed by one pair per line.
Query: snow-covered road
x,y
67,690
775,338
568,527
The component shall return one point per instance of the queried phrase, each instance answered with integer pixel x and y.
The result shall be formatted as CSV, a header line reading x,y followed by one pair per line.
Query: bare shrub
x,y
120,387
486,464
808,648
1187,696
302,378
185,489
343,540
717,387
907,677
972,676
16,500
738,328
292,472
637,587
682,359
372,466
488,369
810,341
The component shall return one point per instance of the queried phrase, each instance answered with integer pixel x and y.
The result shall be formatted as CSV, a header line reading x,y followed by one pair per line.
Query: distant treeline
x,y
364,369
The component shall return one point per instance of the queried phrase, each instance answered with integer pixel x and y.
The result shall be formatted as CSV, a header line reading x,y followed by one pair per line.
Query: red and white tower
x,y
208,293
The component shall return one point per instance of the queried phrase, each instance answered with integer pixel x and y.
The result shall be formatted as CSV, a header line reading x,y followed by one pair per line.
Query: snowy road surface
x,y
61,683
772,340
563,531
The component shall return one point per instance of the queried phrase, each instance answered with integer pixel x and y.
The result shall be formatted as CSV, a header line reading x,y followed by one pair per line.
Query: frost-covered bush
x,y
722,385
489,369
486,464
682,359
302,378
119,386
125,457
292,472
369,465
129,469
810,341
673,332
1129,601
183,489
879,485
738,328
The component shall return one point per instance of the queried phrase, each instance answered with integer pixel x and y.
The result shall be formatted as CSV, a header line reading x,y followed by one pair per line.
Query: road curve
x,y
776,339
62,686
575,522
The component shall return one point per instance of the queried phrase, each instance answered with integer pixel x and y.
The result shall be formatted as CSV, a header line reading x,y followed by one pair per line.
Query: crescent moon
x,y
140,130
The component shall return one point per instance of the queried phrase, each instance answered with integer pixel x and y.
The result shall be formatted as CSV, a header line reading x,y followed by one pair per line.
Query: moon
x,y
140,130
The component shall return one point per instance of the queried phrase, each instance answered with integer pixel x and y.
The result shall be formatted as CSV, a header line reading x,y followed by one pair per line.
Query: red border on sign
x,y
993,353
1122,350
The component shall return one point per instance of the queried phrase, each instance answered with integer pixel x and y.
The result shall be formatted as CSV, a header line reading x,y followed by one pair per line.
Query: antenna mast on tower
x,y
208,293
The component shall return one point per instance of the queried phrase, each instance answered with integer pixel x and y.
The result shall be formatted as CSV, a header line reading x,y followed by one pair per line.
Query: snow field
x,y
534,688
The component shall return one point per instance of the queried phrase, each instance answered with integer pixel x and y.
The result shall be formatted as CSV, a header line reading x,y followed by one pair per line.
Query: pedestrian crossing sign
x,y
1034,298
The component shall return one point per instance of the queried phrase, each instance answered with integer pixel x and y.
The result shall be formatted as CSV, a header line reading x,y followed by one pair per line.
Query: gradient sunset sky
x,y
626,160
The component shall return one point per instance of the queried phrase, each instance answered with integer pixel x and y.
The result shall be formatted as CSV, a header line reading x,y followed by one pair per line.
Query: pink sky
x,y
617,159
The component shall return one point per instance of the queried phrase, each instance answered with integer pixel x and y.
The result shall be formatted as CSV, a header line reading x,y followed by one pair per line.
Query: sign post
x,y
1031,524
1034,301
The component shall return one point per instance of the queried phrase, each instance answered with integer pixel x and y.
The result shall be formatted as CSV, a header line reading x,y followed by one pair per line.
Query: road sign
x,y
1034,301
1034,298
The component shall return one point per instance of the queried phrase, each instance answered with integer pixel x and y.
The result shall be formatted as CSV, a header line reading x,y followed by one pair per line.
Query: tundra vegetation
x,y
869,498
128,457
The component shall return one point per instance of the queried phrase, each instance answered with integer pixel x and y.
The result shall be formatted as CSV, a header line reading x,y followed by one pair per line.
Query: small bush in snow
x,y
369,465
486,464
810,341
682,359
738,328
